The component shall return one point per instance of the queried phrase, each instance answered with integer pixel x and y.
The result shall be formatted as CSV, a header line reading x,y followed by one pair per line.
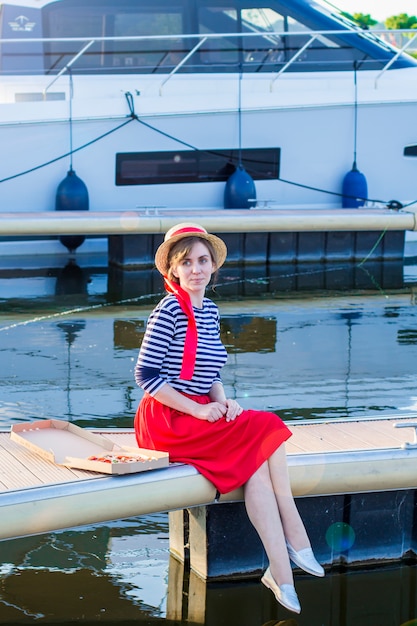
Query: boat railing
x,y
293,59
394,58
69,64
252,52
182,62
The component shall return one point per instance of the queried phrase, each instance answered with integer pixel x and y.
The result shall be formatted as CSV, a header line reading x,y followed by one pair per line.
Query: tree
x,y
401,21
363,20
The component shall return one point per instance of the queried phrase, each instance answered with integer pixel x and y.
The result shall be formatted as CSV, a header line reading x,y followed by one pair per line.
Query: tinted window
x,y
115,20
269,44
410,151
192,166
258,36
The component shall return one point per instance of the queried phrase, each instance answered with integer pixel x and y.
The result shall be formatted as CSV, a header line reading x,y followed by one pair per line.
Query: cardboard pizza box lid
x,y
64,443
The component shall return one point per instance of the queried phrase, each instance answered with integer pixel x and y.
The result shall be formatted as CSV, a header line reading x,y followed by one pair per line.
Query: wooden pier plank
x,y
308,440
336,438
325,458
377,434
349,435
20,468
401,435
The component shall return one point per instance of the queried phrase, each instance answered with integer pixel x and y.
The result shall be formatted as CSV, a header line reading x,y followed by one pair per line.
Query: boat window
x,y
410,151
271,40
110,20
219,52
194,166
241,35
150,54
268,49
272,50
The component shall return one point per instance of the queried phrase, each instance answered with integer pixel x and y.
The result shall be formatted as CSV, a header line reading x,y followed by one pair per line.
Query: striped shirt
x,y
161,353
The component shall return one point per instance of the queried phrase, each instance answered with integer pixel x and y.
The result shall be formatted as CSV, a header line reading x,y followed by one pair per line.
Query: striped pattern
x,y
161,353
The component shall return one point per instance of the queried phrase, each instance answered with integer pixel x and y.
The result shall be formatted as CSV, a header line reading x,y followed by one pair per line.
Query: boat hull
x,y
313,128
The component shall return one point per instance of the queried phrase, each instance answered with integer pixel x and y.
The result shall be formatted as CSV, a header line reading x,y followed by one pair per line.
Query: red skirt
x,y
227,453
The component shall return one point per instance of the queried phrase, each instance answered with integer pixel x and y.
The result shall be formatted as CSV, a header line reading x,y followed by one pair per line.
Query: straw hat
x,y
187,229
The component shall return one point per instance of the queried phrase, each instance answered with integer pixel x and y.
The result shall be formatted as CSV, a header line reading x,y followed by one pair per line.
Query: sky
x,y
377,9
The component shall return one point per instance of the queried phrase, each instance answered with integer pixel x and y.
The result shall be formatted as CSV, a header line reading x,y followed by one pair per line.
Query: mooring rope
x,y
134,117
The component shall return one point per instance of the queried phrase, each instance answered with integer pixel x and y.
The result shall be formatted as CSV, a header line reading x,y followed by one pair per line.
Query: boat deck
x,y
324,458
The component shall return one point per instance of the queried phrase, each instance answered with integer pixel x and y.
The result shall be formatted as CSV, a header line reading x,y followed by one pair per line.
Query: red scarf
x,y
191,336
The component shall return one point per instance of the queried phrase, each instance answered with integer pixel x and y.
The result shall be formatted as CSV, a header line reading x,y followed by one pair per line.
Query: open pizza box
x,y
64,443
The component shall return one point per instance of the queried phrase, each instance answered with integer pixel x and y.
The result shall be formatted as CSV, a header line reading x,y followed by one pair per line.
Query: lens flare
x,y
340,537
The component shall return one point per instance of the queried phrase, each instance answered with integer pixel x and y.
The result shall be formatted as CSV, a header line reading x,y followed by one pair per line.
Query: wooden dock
x,y
344,456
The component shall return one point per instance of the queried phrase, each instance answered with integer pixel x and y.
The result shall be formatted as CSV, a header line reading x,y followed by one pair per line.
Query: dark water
x,y
67,351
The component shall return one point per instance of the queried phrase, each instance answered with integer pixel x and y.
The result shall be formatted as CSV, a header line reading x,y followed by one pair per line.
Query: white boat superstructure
x,y
156,104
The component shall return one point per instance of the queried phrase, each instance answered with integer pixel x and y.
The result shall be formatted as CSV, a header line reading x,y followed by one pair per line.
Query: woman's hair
x,y
182,248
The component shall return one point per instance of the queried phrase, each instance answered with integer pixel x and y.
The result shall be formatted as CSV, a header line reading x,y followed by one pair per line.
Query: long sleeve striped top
x,y
161,353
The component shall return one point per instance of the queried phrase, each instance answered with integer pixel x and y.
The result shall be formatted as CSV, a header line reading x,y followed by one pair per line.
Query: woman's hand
x,y
233,409
212,412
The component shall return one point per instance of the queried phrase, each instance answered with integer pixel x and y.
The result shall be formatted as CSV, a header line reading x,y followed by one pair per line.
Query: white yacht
x,y
155,103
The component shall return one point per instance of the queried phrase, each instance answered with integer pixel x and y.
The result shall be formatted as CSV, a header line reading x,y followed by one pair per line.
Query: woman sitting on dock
x,y
185,411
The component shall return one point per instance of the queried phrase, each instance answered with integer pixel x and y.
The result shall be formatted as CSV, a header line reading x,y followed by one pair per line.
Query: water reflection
x,y
249,333
71,329
317,356
105,574
128,334
259,280
68,348
71,280
111,284
123,574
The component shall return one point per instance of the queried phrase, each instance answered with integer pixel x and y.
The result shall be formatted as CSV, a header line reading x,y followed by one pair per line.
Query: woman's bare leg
x,y
262,508
292,523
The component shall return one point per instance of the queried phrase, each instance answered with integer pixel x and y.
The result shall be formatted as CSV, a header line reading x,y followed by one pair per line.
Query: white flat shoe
x,y
306,560
285,595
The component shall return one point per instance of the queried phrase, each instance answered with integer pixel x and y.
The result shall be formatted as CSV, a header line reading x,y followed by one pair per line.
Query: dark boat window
x,y
194,166
265,50
219,54
410,151
274,33
115,20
